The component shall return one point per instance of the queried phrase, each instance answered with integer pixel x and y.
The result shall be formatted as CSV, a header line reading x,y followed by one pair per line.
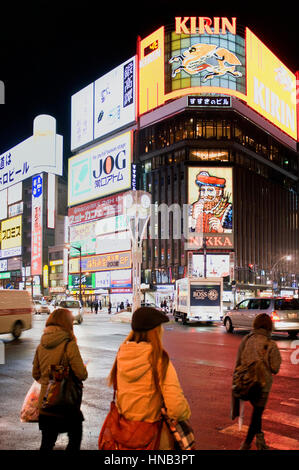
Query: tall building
x,y
220,136
32,205
206,116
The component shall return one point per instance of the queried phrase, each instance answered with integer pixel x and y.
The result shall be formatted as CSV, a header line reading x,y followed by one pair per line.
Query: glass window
x,y
265,303
286,304
243,305
254,304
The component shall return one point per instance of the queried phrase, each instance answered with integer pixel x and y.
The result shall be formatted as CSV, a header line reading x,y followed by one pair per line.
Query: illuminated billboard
x,y
37,226
271,86
104,106
82,117
114,99
105,262
41,152
11,233
151,71
102,170
202,59
210,196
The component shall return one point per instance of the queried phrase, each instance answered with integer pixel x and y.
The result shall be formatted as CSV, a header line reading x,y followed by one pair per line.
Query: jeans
x,y
49,437
255,426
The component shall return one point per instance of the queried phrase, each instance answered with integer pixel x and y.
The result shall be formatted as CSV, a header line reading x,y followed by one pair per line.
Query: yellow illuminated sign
x,y
46,276
151,71
271,86
11,233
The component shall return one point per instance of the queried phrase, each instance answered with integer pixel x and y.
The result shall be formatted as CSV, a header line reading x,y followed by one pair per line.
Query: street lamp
x,y
137,206
80,269
287,258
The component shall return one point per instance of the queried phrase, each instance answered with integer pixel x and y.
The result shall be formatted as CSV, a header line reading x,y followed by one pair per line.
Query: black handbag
x,y
64,390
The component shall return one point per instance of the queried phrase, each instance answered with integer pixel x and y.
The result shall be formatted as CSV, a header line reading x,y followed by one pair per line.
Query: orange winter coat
x,y
137,398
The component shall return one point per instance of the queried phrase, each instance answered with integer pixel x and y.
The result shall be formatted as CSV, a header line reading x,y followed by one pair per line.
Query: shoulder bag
x,y
181,431
64,390
249,378
119,433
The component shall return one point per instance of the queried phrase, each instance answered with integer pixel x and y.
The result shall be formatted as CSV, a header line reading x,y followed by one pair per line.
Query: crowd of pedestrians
x,y
144,379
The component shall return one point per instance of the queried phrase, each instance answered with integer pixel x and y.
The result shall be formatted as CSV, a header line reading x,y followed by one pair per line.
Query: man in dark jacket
x,y
258,344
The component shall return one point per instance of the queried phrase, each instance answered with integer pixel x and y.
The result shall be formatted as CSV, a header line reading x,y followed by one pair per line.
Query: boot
x,y
245,446
260,442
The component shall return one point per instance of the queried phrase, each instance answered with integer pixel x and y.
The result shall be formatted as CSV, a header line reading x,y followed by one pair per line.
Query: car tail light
x,y
274,316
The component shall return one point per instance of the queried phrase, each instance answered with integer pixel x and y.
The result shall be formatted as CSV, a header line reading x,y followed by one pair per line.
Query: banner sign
x,y
104,106
11,233
107,262
102,170
107,207
205,296
37,225
41,152
209,101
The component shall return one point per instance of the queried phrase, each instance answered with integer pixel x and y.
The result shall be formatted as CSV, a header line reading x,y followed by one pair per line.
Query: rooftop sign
x,y
204,25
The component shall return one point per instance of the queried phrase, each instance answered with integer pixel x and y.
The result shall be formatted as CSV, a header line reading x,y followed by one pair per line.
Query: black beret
x,y
147,318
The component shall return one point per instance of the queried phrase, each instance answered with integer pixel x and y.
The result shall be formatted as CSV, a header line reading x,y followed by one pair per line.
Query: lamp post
x,y
137,205
80,268
288,258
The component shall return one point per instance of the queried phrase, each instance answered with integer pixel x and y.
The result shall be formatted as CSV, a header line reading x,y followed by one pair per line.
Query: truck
x,y
198,300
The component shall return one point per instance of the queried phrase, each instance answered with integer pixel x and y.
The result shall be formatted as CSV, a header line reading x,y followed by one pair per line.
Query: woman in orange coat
x,y
142,368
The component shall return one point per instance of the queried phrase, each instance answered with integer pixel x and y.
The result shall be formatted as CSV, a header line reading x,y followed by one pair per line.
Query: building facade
x,y
33,198
224,123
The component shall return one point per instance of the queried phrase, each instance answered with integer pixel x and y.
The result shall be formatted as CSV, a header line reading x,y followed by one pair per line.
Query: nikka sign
x,y
204,25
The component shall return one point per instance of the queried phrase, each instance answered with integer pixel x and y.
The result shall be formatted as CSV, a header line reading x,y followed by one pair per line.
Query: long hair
x,y
62,317
153,337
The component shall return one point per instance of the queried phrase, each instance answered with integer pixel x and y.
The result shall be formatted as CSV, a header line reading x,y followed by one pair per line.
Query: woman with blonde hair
x,y
142,370
57,341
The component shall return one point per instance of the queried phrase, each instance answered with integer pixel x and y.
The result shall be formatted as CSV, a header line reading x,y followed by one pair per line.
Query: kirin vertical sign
x,y
37,225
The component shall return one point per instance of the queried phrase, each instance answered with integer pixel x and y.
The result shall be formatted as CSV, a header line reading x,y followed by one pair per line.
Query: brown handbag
x,y
64,390
119,433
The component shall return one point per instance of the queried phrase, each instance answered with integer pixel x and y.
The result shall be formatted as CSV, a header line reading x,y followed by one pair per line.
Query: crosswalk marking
x,y
275,441
286,403
282,418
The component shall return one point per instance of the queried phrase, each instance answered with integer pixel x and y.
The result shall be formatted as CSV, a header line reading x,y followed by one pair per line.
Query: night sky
x,y
49,50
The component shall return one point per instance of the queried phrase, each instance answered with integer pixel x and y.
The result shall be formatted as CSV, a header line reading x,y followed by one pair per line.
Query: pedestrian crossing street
x,y
273,440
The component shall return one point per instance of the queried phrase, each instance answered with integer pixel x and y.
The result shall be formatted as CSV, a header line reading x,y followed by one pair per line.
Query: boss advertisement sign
x,y
102,170
205,296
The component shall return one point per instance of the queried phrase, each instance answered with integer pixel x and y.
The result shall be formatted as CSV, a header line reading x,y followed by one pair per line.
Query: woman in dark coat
x,y
254,345
58,332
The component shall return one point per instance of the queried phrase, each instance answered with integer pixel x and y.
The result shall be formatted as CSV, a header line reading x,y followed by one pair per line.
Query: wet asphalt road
x,y
204,357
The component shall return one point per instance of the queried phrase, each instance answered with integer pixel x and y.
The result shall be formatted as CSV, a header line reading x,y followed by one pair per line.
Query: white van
x,y
15,311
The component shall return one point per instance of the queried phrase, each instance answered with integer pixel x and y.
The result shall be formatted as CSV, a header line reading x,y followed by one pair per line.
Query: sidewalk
x,y
121,317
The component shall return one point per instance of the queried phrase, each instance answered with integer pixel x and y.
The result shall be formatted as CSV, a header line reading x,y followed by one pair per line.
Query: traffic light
x,y
251,267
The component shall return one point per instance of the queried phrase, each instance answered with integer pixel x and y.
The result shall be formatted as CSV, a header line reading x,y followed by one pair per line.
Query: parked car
x,y
284,312
75,307
41,306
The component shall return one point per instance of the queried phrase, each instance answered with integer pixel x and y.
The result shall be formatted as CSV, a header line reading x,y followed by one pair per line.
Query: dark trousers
x,y
255,426
49,437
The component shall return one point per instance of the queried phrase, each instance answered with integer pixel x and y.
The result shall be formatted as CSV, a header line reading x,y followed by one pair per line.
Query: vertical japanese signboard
x,y
37,226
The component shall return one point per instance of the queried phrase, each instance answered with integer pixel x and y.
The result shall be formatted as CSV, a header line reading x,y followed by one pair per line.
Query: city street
x,y
204,358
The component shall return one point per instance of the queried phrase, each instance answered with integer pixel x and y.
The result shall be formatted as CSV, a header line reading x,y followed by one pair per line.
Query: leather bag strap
x,y
63,352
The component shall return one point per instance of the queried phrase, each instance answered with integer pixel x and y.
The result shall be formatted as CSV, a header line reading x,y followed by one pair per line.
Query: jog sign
x,y
102,170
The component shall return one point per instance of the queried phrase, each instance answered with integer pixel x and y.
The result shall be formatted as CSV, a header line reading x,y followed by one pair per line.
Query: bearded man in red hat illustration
x,y
212,212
